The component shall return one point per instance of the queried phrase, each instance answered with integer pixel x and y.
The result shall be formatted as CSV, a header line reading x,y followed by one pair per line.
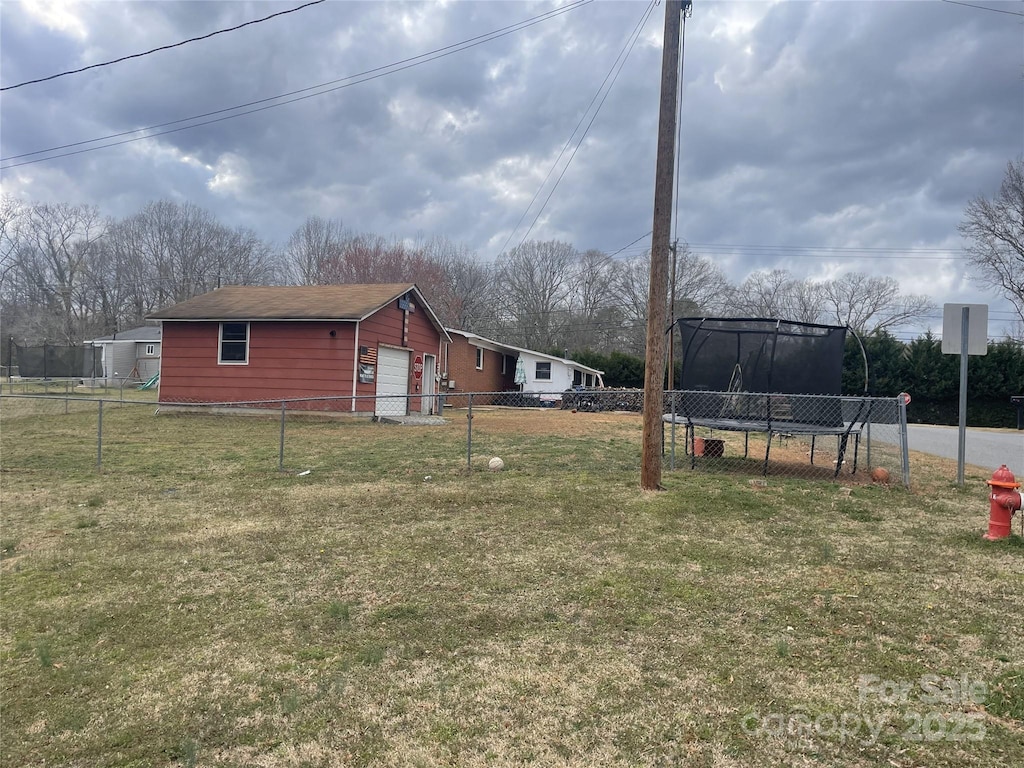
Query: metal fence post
x,y
280,450
99,439
672,453
867,429
469,435
905,449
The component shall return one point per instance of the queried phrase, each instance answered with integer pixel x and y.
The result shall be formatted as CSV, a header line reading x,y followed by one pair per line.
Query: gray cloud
x,y
855,124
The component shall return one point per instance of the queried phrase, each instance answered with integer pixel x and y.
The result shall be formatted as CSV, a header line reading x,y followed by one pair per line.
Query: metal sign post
x,y
961,445
964,332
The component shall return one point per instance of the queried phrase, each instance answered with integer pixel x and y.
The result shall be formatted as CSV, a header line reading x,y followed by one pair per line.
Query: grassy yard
x,y
192,606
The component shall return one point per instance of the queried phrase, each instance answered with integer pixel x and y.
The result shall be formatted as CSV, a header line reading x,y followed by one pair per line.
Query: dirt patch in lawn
x,y
554,422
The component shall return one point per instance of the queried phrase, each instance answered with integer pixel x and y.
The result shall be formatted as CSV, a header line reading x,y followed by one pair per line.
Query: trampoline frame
x,y
770,426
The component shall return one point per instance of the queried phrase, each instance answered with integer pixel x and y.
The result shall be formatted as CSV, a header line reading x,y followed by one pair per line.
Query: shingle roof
x,y
471,336
145,333
290,302
295,302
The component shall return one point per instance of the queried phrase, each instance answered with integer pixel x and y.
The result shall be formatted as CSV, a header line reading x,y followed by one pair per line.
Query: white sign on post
x,y
977,331
964,332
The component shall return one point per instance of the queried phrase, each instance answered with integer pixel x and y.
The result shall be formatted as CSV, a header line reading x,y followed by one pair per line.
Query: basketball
x,y
880,475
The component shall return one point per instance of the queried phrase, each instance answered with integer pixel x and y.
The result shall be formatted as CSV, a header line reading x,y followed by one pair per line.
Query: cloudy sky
x,y
818,137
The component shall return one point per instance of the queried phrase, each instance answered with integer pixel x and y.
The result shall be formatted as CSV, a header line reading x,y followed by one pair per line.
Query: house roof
x,y
146,333
474,338
350,302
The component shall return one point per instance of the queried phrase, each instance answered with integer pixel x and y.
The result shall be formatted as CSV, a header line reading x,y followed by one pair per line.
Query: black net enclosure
x,y
762,355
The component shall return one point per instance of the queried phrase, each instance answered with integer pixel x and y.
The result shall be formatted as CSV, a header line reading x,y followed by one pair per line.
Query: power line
x,y
852,255
984,8
687,12
161,48
646,234
566,145
812,251
627,48
382,71
838,248
373,74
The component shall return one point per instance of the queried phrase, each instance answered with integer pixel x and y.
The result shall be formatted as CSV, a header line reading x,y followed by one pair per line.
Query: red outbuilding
x,y
260,344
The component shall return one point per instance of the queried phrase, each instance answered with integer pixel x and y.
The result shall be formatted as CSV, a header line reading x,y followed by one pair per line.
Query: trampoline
x,y
768,376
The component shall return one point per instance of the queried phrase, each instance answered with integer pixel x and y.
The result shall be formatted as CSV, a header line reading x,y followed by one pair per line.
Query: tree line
x,y
68,274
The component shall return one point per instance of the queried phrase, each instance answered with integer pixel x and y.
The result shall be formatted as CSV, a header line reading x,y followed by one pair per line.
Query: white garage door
x,y
392,379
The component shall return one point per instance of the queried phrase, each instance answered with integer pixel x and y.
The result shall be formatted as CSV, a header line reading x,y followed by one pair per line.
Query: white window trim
x,y
536,371
150,350
479,358
220,343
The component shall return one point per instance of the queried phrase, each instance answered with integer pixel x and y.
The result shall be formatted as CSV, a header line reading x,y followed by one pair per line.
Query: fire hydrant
x,y
1003,501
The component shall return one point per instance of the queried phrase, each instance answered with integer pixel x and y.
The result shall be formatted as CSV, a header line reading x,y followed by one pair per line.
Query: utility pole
x,y
654,373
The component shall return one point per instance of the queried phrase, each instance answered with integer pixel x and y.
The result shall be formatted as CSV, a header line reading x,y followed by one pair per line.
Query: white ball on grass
x,y
496,464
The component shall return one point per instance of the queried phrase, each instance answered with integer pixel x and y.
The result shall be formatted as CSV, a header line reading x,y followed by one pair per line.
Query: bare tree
x,y
464,295
807,302
765,293
312,249
594,320
701,288
12,213
69,274
632,288
51,262
186,251
126,263
995,231
701,282
534,280
869,304
322,252
244,259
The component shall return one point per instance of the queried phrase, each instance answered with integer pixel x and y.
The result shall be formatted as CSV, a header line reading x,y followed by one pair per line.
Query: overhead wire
x,y
984,8
814,251
161,48
630,44
568,141
367,75
629,245
679,119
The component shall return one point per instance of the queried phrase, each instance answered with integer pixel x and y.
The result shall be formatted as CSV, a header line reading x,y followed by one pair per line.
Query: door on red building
x,y
392,382
428,399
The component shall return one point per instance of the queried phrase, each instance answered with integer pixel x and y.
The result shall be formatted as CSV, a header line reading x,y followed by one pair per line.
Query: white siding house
x,y
545,375
130,355
549,375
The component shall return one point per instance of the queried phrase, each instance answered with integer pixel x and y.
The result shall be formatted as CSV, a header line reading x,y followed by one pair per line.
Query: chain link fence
x,y
579,431
812,436
96,388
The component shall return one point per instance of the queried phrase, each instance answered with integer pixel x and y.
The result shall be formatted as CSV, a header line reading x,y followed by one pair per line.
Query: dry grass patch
x,y
195,607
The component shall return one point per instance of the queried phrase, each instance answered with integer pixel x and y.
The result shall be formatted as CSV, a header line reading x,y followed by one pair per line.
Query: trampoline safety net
x,y
765,356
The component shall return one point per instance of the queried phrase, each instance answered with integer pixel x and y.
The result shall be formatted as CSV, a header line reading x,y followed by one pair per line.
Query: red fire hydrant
x,y
1003,501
